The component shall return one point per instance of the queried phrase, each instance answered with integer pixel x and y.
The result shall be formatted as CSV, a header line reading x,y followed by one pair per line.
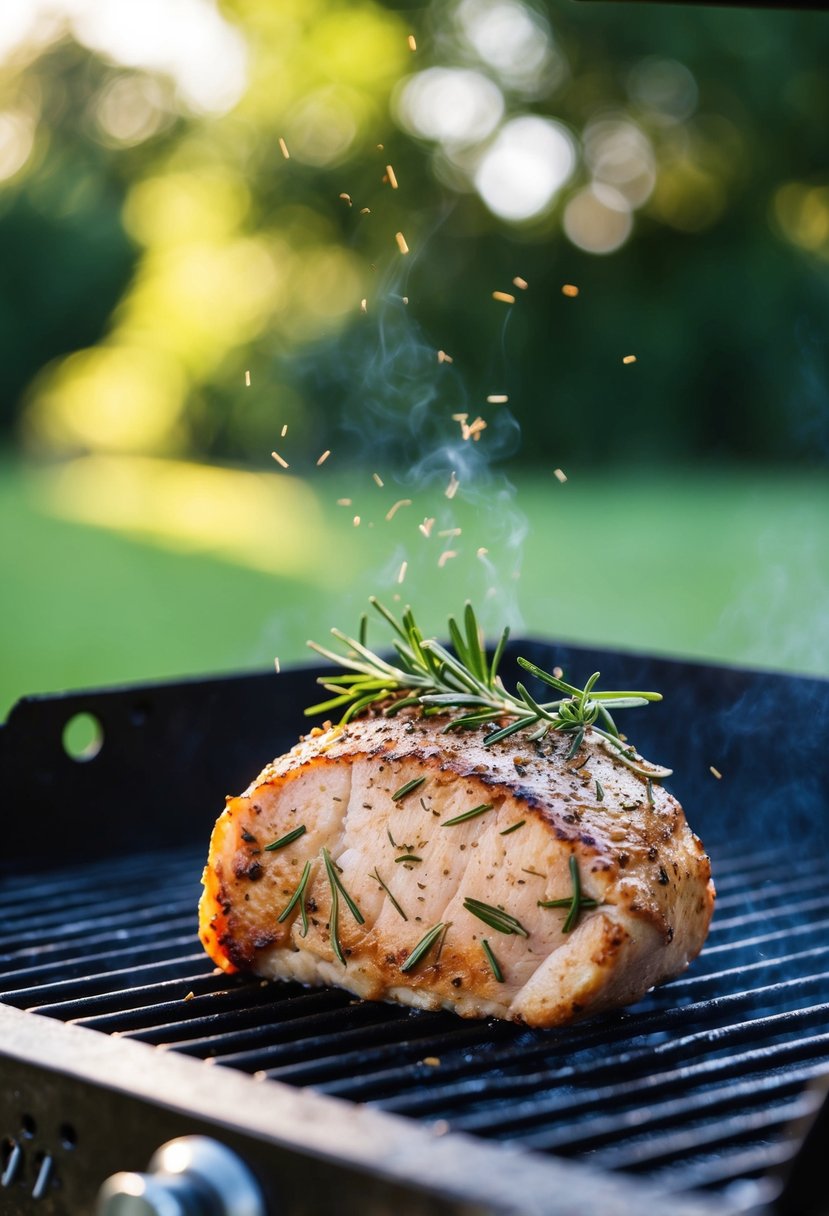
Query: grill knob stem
x,y
190,1176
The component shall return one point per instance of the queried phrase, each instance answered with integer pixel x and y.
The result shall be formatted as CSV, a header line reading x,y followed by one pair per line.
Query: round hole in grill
x,y
29,1126
68,1135
83,737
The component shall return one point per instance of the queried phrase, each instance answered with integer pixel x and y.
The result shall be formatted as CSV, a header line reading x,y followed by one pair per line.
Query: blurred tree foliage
x,y
153,250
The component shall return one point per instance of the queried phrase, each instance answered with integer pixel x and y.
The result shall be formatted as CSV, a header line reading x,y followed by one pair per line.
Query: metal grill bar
x,y
692,1087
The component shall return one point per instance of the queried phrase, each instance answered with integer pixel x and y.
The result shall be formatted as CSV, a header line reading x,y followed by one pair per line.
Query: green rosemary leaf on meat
x,y
575,902
414,784
407,857
423,673
492,960
473,814
394,902
423,947
337,889
288,838
391,838
599,791
496,918
298,897
514,828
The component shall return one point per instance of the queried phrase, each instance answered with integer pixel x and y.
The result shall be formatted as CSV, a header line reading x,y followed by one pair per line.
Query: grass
x,y
114,573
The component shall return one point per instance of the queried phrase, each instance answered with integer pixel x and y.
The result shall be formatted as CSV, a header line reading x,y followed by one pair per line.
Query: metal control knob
x,y
190,1176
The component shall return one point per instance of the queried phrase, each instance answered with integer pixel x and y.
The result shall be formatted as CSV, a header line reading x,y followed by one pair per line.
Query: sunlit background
x,y
548,282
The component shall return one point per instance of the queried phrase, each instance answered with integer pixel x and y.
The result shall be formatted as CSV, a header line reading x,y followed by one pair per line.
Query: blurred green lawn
x,y
727,565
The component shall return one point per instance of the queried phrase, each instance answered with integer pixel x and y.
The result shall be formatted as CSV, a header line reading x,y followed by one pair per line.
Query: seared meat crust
x,y
637,860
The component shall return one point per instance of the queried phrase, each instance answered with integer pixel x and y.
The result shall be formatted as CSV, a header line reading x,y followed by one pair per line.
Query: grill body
x,y
116,1033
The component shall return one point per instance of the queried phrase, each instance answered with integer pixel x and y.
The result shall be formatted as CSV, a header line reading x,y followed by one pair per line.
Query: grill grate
x,y
693,1087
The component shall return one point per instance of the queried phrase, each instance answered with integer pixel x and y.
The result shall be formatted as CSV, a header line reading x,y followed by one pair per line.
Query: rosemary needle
x,y
438,680
407,857
394,902
496,918
337,888
414,784
298,897
599,791
575,902
288,838
492,960
514,828
473,814
423,947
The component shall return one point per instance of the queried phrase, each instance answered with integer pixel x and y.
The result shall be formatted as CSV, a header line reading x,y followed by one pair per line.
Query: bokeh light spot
x,y
527,164
598,219
450,105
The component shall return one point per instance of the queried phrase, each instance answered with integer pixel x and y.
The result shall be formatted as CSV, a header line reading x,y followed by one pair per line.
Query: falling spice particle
x,y
558,672
570,289
323,459
432,1061
365,211
402,573
716,772
401,242
473,430
364,305
391,175
283,148
276,666
629,359
519,282
378,480
504,297
446,556
279,460
482,552
405,299
284,430
560,475
190,996
426,527
356,521
392,511
444,358
450,532
497,399
247,379
412,41
343,502
346,198
452,489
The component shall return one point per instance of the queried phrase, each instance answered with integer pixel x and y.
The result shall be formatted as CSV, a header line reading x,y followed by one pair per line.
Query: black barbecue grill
x,y
116,1034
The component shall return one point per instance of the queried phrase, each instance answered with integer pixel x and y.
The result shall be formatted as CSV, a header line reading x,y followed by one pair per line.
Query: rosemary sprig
x,y
473,814
408,788
394,902
423,947
438,680
492,960
288,838
298,897
496,918
575,902
337,889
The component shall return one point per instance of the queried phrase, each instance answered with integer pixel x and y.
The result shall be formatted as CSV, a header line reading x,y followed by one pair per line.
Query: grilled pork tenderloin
x,y
356,860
